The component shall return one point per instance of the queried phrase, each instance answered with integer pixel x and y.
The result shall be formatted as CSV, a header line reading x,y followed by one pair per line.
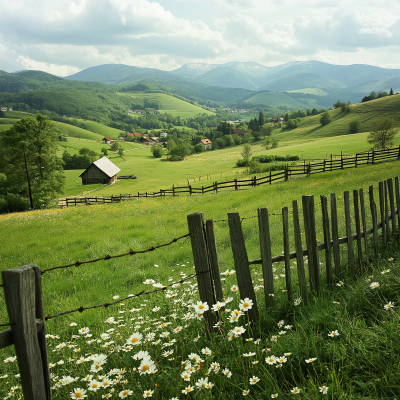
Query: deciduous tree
x,y
382,134
37,139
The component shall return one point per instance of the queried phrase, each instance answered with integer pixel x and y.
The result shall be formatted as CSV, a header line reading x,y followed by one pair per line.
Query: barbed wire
x,y
109,257
105,305
8,324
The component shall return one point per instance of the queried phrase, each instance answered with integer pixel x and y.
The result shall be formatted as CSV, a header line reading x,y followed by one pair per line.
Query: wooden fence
x,y
358,235
329,164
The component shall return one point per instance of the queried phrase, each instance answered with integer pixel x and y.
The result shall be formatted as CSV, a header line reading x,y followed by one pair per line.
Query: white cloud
x,y
68,35
54,69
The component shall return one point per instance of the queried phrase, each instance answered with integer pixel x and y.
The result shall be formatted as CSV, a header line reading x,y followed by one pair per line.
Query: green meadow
x,y
170,104
360,363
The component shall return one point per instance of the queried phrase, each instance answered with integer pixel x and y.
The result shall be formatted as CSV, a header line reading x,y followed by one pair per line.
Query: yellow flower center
x,y
188,389
125,392
134,340
145,368
78,395
245,304
94,385
201,306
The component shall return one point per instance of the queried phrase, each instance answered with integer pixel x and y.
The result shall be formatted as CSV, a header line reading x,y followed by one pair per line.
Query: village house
x,y
134,134
164,144
121,139
154,139
207,143
4,109
107,140
100,171
163,134
147,141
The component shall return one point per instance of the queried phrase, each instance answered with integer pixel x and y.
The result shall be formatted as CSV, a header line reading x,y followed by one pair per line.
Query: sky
x,y
63,37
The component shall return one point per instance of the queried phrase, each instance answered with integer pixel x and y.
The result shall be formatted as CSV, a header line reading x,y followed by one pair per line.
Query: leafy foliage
x,y
383,134
37,138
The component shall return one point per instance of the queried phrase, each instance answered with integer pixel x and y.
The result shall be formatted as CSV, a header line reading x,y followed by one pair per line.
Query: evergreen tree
x,y
391,92
261,119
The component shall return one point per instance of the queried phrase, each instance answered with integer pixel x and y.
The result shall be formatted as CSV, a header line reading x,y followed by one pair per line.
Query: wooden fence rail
x,y
358,258
329,164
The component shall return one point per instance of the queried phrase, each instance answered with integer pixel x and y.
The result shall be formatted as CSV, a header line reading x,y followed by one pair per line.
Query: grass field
x,y
154,174
367,113
101,129
361,363
170,104
277,99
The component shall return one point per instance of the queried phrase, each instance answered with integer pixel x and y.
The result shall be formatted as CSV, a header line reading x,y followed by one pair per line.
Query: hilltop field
x,y
309,141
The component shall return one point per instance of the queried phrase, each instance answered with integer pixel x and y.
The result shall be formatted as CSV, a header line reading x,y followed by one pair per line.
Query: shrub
x,y
325,118
354,126
13,203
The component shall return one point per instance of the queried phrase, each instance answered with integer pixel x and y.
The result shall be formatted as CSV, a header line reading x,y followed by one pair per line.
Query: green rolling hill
x,y
169,104
367,113
275,98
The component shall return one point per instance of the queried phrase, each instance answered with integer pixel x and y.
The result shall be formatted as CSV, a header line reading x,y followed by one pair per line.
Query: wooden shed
x,y
100,171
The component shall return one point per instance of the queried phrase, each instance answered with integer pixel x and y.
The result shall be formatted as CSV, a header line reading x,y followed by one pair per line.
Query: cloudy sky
x,y
65,36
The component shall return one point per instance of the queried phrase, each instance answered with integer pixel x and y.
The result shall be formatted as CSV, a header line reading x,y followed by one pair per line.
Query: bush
x,y
157,151
255,167
354,126
325,118
291,124
13,203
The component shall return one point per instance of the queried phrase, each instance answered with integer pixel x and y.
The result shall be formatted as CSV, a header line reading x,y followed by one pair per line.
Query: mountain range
x,y
299,84
316,80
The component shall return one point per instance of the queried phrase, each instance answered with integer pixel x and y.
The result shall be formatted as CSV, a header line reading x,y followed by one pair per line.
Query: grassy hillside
x,y
367,113
169,104
277,99
77,132
100,129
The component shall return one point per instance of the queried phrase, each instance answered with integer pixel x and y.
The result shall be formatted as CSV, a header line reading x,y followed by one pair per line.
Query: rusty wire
x,y
81,309
109,257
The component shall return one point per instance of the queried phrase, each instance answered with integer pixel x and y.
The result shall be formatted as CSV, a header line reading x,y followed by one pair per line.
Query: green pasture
x,y
367,113
18,114
361,363
101,129
5,127
220,165
170,104
77,132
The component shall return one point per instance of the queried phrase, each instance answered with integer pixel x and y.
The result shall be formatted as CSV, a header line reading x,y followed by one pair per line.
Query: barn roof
x,y
105,165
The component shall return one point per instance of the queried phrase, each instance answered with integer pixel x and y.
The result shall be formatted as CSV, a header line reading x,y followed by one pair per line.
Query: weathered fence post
x,y
387,212
350,253
335,237
299,253
213,257
364,223
173,191
374,220
358,232
202,266
382,212
236,188
241,260
391,203
286,252
270,177
23,296
327,239
311,240
396,189
266,255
